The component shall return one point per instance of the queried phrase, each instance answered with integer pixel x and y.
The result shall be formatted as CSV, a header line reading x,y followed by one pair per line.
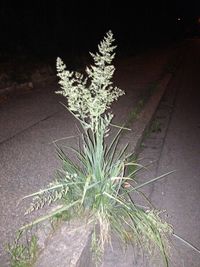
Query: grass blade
x,y
151,181
41,219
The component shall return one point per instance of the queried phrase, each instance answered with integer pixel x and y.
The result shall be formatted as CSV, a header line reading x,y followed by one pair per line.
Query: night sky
x,y
76,26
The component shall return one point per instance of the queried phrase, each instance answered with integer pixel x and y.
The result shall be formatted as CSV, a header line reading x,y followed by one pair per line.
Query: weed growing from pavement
x,y
133,115
97,185
156,126
22,254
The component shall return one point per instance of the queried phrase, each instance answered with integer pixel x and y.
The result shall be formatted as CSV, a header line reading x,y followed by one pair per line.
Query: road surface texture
x,y
173,144
30,122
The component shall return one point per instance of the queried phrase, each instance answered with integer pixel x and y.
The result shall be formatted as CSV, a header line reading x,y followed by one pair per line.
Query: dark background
x,y
74,27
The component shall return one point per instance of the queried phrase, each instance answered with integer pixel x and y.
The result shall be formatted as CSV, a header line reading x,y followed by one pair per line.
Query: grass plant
x,y
97,185
22,254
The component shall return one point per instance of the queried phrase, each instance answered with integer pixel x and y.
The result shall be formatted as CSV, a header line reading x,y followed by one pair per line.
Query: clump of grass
x,y
156,126
97,185
22,254
136,111
134,114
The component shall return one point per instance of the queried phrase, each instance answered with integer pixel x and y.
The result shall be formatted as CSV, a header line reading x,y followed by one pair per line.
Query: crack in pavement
x,y
29,127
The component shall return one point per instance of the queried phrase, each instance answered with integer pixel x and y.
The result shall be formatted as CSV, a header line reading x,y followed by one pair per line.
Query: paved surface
x,y
174,144
30,122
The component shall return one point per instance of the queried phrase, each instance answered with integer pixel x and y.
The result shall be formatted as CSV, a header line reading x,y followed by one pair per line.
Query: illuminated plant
x,y
96,185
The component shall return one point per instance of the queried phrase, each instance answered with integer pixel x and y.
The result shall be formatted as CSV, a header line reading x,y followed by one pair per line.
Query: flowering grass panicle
x,y
89,97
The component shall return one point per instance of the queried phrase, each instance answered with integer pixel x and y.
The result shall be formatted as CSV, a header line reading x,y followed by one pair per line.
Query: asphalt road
x,y
173,144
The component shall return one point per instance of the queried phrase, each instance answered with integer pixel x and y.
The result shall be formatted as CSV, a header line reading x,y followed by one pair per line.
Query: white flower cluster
x,y
88,98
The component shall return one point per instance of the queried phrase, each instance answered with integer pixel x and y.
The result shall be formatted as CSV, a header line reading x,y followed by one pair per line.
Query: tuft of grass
x,y
134,114
136,111
22,254
156,126
97,185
